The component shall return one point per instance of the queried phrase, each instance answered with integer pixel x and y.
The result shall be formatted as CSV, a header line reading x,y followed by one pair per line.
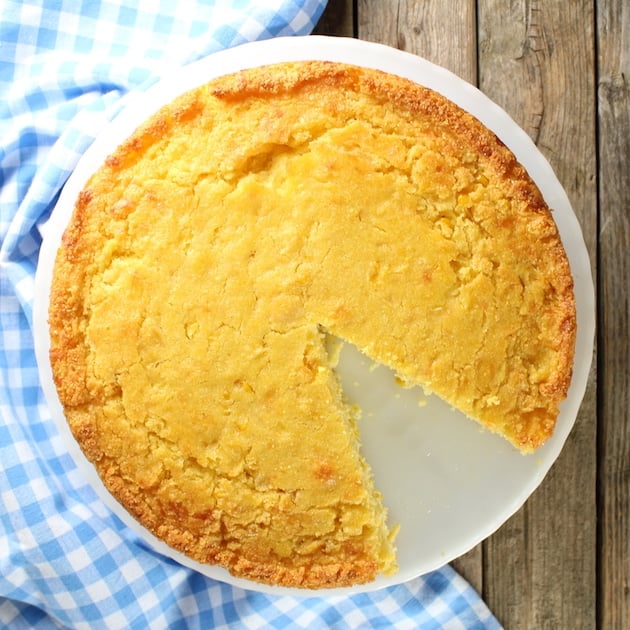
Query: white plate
x,y
448,483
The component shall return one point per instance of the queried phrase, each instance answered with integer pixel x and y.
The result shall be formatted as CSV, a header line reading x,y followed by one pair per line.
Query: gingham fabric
x,y
65,560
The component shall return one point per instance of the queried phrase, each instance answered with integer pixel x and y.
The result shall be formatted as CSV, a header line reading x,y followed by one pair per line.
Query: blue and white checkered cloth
x,y
66,561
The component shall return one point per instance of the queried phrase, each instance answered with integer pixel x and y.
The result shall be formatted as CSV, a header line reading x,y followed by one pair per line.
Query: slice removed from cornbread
x,y
210,255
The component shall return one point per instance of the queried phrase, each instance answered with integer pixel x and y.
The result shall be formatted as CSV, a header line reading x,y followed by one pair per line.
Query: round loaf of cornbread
x,y
210,257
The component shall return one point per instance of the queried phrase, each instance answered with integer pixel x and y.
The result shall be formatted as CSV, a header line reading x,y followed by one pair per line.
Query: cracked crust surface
x,y
211,251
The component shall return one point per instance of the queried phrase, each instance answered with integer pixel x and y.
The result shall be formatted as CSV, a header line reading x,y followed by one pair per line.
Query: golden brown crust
x,y
211,248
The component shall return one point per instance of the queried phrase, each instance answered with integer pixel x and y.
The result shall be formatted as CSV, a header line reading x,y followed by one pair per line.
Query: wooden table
x,y
561,69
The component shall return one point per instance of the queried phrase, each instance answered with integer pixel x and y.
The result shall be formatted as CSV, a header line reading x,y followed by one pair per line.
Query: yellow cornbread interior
x,y
210,256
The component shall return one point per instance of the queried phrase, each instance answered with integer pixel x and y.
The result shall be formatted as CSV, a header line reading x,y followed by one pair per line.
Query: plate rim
x,y
366,54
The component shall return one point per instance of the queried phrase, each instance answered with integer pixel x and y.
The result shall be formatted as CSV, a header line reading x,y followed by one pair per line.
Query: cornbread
x,y
214,252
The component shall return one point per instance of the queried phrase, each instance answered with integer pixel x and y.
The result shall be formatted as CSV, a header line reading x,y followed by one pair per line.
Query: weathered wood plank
x,y
613,20
442,32
536,60
337,19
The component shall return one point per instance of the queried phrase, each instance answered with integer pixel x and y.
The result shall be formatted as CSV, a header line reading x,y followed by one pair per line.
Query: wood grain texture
x,y
613,19
442,31
337,19
536,60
